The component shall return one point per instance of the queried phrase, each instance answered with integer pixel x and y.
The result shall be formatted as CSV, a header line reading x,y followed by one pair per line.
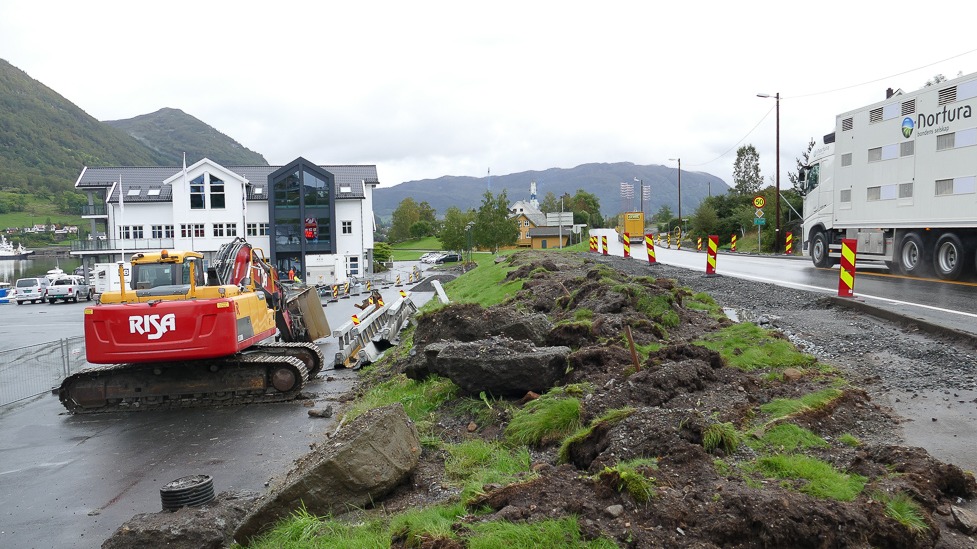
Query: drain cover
x,y
188,491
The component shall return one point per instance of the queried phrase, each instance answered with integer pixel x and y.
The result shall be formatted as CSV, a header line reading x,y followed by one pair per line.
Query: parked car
x,y
69,287
31,289
448,258
433,258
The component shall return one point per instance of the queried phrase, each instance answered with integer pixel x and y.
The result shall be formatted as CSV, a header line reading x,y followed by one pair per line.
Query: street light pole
x,y
641,189
776,236
679,189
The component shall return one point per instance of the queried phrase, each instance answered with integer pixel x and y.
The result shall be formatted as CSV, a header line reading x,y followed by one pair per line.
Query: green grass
x,y
787,437
563,533
849,439
816,478
610,418
748,347
903,510
420,398
629,476
427,524
476,463
721,435
303,530
704,302
782,407
549,418
484,285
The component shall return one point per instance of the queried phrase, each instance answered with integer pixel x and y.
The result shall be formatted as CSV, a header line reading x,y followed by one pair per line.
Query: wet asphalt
x,y
72,480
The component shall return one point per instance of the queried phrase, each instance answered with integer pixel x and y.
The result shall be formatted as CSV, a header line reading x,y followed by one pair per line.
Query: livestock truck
x,y
900,177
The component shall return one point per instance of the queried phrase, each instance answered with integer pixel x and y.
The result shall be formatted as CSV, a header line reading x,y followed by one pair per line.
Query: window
x,y
846,159
131,231
907,148
813,177
153,192
257,229
162,231
875,155
353,265
945,141
225,229
960,185
347,227
197,193
905,190
845,195
133,192
525,223
287,191
944,187
192,230
316,190
216,193
873,193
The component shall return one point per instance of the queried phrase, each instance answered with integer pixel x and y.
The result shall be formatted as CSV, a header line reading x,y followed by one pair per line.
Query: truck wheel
x,y
73,299
911,253
819,252
949,257
51,300
20,303
89,297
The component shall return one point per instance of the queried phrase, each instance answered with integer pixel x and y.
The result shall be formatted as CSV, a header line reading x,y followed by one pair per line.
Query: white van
x,y
30,289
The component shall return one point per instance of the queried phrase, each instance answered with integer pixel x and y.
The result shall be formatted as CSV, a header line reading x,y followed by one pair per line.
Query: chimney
x,y
889,93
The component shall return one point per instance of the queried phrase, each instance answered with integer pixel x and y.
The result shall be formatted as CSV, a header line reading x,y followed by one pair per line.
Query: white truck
x,y
900,177
69,288
107,276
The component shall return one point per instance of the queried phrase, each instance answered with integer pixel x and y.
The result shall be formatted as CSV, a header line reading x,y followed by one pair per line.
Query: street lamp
x,y
641,189
679,189
468,229
776,236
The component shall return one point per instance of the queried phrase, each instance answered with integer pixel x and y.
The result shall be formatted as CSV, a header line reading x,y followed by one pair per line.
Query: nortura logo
x,y
941,117
907,127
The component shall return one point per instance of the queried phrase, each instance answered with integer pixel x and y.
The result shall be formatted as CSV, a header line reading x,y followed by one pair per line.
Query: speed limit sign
x,y
758,201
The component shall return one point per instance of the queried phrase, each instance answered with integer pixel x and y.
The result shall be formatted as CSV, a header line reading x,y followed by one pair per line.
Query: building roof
x,y
549,231
350,180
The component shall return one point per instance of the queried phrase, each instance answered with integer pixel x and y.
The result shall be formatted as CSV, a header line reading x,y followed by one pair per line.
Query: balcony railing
x,y
93,209
116,244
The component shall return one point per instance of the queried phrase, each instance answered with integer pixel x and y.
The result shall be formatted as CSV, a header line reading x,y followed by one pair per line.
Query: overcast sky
x,y
425,89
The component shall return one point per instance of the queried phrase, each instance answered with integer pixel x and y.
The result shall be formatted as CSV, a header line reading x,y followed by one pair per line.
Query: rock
x,y
615,510
792,374
208,526
965,520
501,366
365,461
472,427
323,412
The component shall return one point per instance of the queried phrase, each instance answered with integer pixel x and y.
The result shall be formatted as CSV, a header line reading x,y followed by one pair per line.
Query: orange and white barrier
x,y
650,244
711,255
846,278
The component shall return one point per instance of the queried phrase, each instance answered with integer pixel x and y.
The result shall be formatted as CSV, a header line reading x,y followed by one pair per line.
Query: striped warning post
x,y
789,245
678,239
732,243
668,240
627,245
593,243
698,244
650,244
603,244
356,320
335,292
403,293
711,255
398,283
345,290
846,278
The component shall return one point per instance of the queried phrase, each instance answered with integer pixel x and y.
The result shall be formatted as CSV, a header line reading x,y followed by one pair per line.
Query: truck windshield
x,y
812,178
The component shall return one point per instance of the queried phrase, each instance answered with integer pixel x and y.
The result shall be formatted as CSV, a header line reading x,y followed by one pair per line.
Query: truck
x,y
69,288
632,224
168,339
106,276
899,177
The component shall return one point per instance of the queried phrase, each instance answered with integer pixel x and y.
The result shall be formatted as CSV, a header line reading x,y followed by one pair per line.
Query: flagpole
x,y
122,217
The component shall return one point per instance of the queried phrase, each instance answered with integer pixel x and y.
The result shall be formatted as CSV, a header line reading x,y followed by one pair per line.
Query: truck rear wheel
x,y
911,254
949,257
819,252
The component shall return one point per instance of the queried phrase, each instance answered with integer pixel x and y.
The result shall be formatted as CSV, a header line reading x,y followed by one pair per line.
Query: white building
x,y
321,217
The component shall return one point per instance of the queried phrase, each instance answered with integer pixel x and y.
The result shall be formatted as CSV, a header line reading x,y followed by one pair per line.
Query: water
x,y
11,270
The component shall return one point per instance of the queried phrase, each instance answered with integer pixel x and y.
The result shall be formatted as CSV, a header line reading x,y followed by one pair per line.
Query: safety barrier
x,y
789,245
846,276
627,245
711,255
27,372
650,244
732,243
362,342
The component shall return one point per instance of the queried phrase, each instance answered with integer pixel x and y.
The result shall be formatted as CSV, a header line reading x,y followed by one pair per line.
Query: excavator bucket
x,y
305,308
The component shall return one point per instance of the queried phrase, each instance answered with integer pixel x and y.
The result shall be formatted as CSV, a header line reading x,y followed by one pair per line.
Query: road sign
x,y
759,202
759,213
759,221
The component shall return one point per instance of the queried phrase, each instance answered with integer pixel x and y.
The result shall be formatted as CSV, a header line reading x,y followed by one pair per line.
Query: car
x,y
433,258
31,289
426,258
448,258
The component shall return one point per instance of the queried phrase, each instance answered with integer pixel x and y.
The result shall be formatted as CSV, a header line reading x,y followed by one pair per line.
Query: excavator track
x,y
265,375
309,353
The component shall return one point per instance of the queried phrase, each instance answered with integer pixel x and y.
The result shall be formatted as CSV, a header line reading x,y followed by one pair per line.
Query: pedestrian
x,y
291,273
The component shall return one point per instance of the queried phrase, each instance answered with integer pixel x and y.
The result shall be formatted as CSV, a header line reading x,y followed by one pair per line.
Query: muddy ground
x,y
701,498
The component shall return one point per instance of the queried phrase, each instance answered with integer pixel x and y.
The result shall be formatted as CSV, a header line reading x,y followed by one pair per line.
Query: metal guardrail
x,y
27,372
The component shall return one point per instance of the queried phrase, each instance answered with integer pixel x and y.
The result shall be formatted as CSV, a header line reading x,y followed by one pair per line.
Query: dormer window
x,y
197,193
216,193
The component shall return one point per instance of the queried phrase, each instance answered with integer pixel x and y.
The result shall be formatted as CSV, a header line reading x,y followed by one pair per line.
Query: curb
x,y
885,314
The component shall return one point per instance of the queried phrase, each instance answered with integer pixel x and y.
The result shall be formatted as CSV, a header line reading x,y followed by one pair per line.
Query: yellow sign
x,y
759,202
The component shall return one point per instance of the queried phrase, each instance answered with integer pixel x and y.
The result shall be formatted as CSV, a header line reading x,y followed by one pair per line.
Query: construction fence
x,y
30,371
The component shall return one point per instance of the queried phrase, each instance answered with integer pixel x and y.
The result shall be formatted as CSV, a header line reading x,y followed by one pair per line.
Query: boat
x,y
4,292
9,251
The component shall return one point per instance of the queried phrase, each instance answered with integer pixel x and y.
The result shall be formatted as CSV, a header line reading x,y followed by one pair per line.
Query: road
x,y
71,481
949,304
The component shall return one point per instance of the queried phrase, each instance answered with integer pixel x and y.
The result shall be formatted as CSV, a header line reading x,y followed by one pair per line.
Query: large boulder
x,y
498,365
363,463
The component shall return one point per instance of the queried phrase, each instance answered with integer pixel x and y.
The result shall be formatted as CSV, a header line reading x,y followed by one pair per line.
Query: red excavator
x,y
176,338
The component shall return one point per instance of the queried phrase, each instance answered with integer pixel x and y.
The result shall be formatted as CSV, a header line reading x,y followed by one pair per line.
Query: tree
x,y
406,214
420,229
454,230
493,226
382,252
585,207
746,171
550,203
795,177
704,221
663,215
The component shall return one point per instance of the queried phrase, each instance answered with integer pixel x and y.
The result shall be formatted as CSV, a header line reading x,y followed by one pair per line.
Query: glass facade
x,y
302,212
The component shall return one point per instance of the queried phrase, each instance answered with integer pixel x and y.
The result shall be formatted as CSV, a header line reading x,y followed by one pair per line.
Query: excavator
x,y
175,338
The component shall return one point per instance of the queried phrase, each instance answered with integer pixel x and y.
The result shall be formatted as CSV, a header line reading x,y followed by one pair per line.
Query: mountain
x,y
172,132
602,180
45,140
